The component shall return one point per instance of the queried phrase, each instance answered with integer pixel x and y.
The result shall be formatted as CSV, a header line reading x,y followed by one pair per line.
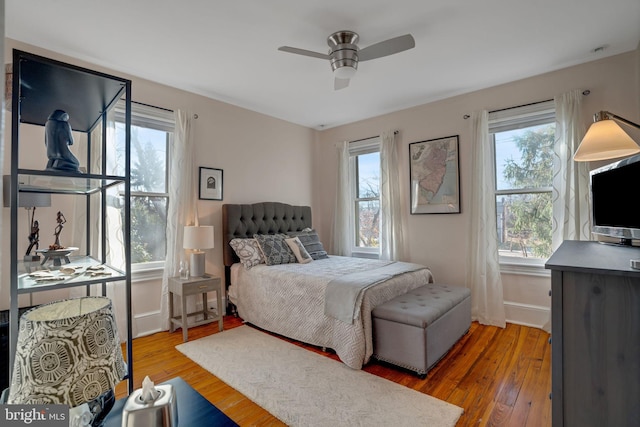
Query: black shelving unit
x,y
40,86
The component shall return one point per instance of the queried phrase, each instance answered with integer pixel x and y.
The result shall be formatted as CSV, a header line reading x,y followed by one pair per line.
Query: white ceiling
x,y
227,50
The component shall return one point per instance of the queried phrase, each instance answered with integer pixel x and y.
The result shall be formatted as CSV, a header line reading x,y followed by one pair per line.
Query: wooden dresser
x,y
595,335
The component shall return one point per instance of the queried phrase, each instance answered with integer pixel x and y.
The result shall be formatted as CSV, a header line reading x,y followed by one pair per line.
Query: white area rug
x,y
302,388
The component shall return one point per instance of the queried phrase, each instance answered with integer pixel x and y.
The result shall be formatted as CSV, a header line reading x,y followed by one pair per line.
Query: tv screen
x,y
615,211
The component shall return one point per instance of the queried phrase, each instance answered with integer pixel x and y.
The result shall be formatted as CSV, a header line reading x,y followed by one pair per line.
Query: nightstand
x,y
195,286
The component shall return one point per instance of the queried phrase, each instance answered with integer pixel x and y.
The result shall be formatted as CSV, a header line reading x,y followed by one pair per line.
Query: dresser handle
x,y
202,286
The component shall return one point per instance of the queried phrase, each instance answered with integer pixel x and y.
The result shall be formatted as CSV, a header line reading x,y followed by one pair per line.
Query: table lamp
x,y
197,238
69,353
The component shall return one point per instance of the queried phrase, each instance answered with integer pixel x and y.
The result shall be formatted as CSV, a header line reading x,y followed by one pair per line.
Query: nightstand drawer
x,y
194,285
210,285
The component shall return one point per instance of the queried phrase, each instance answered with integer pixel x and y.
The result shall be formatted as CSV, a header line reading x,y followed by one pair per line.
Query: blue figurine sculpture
x,y
58,138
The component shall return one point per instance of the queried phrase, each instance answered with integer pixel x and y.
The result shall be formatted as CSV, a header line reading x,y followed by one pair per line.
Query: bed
x,y
299,300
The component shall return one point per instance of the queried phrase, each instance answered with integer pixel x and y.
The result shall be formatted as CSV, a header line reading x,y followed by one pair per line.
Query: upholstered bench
x,y
417,329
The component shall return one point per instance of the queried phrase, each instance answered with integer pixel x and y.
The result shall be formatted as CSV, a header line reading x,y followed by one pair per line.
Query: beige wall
x,y
263,158
440,241
268,159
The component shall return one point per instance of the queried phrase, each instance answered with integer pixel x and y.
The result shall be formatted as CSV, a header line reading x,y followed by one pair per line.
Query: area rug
x,y
302,388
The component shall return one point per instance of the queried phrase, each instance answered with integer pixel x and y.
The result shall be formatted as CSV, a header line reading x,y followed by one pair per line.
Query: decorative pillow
x,y
248,251
298,250
311,242
274,249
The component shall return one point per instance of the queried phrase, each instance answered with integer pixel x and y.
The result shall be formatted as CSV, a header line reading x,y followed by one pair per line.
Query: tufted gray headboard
x,y
240,221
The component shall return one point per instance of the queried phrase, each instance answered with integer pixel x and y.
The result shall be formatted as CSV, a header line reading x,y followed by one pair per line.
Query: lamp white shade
x,y
68,352
604,140
197,238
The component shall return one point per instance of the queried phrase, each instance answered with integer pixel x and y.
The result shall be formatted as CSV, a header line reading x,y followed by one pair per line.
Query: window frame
x,y
157,118
522,117
358,148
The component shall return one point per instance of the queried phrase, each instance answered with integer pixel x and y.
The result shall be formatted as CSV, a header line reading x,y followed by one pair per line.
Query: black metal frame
x,y
41,85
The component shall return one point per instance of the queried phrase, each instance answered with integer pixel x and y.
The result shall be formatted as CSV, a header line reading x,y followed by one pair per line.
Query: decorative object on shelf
x,y
69,353
210,184
56,255
605,139
152,405
57,139
29,201
435,180
61,220
197,238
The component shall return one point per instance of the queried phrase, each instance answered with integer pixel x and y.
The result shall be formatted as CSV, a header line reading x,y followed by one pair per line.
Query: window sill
x,y
524,269
369,255
145,273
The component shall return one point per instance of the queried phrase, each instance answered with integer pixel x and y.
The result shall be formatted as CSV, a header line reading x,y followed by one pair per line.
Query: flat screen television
x,y
615,210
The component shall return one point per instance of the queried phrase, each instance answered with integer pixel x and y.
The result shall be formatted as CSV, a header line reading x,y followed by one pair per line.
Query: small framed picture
x,y
210,184
434,176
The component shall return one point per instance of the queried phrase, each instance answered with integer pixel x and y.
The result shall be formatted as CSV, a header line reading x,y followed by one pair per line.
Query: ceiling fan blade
x,y
303,52
340,83
387,47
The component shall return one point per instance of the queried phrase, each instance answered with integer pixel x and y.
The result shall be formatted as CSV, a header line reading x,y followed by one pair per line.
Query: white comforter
x,y
288,299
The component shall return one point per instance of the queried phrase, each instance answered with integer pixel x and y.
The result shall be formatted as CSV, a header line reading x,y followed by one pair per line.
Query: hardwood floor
x,y
501,377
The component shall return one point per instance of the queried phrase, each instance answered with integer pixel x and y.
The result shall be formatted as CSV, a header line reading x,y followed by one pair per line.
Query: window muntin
x,y
523,146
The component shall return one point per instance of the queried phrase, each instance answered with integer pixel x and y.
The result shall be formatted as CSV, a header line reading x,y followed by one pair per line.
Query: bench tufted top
x,y
422,306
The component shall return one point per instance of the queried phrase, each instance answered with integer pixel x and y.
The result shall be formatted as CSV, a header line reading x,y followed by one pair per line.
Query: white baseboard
x,y
527,315
151,322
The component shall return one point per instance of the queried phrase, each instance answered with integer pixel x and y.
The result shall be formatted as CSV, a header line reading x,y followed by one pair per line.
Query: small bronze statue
x,y
60,219
57,139
34,238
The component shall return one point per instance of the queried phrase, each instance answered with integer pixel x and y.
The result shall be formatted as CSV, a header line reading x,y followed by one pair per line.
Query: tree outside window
x,y
151,135
524,173
365,196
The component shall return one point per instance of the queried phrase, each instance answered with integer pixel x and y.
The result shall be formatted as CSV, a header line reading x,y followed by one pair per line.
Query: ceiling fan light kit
x,y
344,53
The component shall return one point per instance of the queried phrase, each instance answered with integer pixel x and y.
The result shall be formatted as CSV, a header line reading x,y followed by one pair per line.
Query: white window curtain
x,y
391,229
343,227
571,219
483,273
182,204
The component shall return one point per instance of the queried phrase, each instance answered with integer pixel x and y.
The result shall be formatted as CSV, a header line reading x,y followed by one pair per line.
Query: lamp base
x,y
197,264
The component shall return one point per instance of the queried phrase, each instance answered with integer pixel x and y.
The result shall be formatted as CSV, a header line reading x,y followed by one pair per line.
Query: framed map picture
x,y
434,176
210,184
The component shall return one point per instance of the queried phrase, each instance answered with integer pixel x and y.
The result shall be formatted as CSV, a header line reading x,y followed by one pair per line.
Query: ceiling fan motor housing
x,y
343,50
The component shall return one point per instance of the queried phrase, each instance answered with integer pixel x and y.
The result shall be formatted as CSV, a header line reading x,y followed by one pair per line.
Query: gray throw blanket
x,y
343,294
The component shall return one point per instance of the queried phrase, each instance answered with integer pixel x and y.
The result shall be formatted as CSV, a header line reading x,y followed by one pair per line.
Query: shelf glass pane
x,y
36,182
34,277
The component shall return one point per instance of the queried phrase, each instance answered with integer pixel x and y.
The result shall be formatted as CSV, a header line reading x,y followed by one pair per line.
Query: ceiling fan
x,y
344,53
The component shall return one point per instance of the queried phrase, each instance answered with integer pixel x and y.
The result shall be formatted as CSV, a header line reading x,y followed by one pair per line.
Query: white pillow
x,y
248,251
298,250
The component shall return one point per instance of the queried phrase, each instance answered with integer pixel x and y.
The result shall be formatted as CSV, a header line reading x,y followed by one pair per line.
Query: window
x,y
523,140
365,186
151,137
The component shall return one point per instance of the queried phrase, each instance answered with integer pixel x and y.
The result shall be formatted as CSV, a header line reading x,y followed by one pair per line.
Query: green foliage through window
x,y
523,199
